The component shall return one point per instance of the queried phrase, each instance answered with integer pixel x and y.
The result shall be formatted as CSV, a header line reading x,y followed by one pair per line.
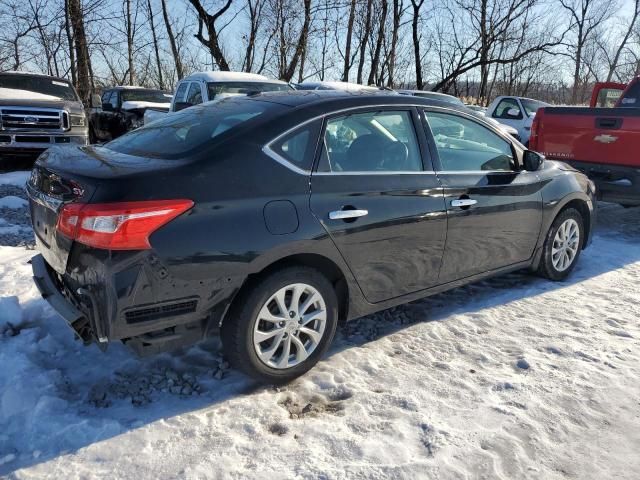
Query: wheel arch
x,y
323,264
582,207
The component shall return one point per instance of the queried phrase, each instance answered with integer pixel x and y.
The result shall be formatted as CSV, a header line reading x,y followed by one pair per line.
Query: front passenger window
x,y
381,141
464,145
194,97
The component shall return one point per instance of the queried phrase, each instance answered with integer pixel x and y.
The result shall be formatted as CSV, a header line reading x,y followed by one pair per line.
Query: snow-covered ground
x,y
511,378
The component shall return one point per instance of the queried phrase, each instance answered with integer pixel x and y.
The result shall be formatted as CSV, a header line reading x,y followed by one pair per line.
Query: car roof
x,y
344,86
35,74
133,87
337,99
218,76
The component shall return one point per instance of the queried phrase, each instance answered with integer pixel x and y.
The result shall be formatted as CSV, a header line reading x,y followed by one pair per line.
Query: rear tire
x,y
562,245
276,346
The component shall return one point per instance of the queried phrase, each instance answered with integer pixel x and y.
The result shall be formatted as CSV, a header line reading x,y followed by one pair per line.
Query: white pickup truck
x,y
517,112
207,86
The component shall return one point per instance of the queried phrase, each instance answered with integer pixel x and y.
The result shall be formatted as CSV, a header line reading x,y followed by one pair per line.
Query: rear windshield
x,y
631,99
184,133
245,88
532,106
156,96
25,86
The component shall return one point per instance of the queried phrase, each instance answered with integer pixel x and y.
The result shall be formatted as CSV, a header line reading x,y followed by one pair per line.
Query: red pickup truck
x,y
604,143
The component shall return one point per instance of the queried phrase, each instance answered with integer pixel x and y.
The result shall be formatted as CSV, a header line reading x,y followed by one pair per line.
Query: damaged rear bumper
x,y
63,302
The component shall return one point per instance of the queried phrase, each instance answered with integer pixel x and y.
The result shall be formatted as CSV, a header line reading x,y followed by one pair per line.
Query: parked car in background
x,y
271,217
517,112
341,86
121,109
203,87
602,142
36,112
444,97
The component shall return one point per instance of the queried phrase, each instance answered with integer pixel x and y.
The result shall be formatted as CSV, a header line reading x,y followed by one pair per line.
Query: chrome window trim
x,y
267,150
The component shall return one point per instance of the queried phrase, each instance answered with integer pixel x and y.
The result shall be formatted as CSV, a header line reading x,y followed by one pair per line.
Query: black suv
x,y
270,218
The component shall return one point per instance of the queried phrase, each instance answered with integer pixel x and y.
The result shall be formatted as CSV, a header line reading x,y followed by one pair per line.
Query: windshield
x,y
191,130
631,97
25,86
155,96
532,106
245,88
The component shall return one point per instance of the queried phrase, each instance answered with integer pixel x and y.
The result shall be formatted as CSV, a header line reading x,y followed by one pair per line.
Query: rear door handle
x,y
346,214
463,202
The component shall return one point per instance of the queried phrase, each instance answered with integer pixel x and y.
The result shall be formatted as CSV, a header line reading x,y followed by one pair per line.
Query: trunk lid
x,y
76,174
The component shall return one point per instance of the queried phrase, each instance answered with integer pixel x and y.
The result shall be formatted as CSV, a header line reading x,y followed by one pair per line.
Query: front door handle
x,y
347,214
463,202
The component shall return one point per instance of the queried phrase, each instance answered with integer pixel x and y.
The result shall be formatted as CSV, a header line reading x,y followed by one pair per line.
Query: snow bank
x,y
12,202
18,178
512,378
133,104
16,94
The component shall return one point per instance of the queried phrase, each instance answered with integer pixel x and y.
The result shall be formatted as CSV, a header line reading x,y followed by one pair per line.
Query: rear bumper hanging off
x,y
81,323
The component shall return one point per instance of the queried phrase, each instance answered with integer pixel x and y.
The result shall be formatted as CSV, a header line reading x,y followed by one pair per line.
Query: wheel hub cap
x,y
289,326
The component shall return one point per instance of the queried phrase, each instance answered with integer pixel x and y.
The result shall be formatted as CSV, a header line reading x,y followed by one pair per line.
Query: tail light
x,y
118,226
533,136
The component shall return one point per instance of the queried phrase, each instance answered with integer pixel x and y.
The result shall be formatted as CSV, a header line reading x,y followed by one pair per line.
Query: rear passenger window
x,y
464,145
381,141
298,147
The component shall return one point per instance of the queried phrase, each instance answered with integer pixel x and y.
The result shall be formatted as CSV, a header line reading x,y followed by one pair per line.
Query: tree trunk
x,y
132,73
155,46
364,40
347,47
376,54
82,52
301,45
72,55
213,42
397,12
416,42
172,41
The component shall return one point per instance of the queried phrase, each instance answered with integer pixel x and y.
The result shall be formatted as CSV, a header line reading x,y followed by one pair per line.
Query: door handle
x,y
347,214
463,202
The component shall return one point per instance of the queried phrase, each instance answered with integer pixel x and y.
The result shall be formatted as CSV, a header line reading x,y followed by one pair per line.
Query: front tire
x,y
281,327
562,245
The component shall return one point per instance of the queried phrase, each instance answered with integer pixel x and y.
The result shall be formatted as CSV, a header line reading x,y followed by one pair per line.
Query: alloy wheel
x,y
289,326
565,245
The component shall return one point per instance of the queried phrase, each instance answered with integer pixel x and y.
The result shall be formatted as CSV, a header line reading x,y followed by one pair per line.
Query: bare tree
x,y
156,47
417,5
208,21
172,41
82,52
586,16
375,61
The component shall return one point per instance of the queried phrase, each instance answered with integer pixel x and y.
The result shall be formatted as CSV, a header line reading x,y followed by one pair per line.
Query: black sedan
x,y
268,219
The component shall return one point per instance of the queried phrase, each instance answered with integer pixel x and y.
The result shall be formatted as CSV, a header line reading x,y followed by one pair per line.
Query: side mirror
x,y
95,101
181,106
107,107
532,161
513,113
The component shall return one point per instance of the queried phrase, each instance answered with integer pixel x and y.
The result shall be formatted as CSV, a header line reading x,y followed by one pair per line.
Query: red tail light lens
x,y
533,137
118,226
